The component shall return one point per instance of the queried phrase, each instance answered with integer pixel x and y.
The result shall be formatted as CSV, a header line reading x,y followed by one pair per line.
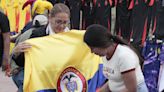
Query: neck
x,y
111,51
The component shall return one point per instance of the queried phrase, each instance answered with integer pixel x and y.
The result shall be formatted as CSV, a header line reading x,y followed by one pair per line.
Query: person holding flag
x,y
58,12
58,21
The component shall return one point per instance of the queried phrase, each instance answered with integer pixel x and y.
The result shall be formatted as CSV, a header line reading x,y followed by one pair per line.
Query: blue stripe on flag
x,y
97,81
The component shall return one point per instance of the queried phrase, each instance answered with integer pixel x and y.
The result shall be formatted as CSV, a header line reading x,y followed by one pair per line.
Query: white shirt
x,y
123,60
50,31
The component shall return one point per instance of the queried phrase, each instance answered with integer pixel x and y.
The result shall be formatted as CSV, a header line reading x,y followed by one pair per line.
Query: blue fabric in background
x,y
152,64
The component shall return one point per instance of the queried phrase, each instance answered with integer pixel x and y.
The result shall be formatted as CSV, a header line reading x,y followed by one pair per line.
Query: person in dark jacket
x,y
4,41
59,19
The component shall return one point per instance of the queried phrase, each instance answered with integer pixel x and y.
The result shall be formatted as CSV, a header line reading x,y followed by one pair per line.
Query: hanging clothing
x,y
75,7
87,14
151,64
152,18
123,19
159,33
139,22
161,74
102,13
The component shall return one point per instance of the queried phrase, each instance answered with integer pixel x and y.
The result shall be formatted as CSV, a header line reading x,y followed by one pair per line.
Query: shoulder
x,y
125,51
126,55
128,59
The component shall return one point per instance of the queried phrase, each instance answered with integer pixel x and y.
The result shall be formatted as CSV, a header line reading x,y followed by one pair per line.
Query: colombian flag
x,y
62,63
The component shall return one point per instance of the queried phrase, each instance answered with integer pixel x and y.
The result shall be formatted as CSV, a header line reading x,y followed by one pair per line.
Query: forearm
x,y
6,49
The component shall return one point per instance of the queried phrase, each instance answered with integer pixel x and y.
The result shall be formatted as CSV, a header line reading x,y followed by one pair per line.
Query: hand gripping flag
x,y
62,63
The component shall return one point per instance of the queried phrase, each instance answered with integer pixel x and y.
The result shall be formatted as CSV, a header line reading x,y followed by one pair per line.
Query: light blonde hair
x,y
59,8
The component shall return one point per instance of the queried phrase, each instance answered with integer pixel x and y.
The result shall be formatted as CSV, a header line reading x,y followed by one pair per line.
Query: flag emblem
x,y
71,80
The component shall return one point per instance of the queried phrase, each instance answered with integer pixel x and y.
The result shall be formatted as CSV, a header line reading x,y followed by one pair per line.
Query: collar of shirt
x,y
49,30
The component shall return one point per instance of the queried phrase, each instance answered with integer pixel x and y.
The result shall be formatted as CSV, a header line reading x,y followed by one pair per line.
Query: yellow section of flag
x,y
51,55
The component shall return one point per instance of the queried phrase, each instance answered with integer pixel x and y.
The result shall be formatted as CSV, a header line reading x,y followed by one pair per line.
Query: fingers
x,y
22,47
6,69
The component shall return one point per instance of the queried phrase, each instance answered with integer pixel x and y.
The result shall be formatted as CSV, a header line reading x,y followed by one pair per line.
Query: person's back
x,y
17,70
58,20
39,21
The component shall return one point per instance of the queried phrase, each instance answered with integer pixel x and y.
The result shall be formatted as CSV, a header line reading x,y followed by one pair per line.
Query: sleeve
x,y
26,27
4,23
127,62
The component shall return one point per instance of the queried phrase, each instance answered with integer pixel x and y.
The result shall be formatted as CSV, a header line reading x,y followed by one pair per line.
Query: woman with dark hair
x,y
121,62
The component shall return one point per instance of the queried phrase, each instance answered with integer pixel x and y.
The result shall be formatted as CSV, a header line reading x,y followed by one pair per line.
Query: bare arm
x,y
6,50
130,81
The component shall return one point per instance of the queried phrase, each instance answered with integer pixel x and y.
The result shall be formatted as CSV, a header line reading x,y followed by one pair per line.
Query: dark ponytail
x,y
119,40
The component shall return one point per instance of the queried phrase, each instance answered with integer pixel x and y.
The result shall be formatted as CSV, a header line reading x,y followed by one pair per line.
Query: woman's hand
x,y
21,47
